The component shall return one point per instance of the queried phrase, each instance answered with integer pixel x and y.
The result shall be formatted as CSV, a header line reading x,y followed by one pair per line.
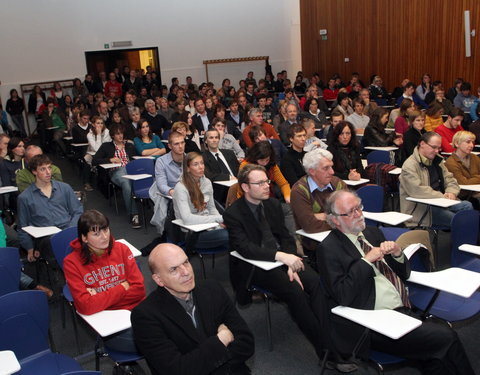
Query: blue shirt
x,y
167,173
62,210
312,185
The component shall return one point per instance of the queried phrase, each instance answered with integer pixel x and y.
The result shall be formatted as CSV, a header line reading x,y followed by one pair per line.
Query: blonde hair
x,y
462,136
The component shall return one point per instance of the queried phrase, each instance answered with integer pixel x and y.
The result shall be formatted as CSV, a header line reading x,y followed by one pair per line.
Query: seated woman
x,y
192,132
343,105
119,152
347,162
182,128
313,112
97,136
433,116
262,154
257,134
179,107
414,133
146,143
227,141
194,204
375,134
401,122
102,275
12,162
464,165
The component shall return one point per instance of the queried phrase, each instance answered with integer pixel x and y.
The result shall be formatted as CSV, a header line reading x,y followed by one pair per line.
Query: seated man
x,y
256,228
424,175
256,119
291,165
292,118
310,193
25,178
449,128
185,327
45,203
362,270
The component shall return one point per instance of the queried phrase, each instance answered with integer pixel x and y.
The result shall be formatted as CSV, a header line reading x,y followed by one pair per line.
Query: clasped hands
x,y
386,247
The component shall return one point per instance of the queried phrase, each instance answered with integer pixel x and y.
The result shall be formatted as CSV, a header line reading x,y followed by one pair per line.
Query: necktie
x,y
221,164
268,240
386,271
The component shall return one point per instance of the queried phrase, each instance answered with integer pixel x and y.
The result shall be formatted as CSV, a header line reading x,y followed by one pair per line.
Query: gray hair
x,y
133,110
313,158
253,111
149,101
330,206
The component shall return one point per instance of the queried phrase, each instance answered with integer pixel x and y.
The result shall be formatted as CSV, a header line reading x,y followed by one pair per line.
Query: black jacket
x,y
107,151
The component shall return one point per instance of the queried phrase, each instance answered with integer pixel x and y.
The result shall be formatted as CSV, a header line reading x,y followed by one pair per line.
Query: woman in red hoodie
x,y
102,274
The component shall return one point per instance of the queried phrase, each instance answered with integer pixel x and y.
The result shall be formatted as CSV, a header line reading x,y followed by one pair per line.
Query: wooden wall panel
x,y
393,38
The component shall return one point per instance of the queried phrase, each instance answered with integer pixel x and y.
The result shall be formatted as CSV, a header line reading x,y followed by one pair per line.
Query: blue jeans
x,y
126,186
212,238
442,217
121,341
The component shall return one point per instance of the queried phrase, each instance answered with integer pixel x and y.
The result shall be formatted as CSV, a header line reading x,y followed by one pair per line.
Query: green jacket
x,y
25,178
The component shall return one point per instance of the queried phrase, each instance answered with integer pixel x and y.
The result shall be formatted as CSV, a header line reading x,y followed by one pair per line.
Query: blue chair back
x,y
392,233
378,156
464,231
61,243
82,373
372,197
10,268
24,323
141,166
166,134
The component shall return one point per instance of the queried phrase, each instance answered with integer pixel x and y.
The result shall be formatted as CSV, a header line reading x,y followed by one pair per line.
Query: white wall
x,y
44,40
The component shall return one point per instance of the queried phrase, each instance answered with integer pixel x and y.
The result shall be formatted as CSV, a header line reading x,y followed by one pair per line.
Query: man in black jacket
x,y
184,327
291,166
363,271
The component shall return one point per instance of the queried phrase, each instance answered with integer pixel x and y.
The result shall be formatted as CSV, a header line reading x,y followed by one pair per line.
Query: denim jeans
x,y
126,186
442,217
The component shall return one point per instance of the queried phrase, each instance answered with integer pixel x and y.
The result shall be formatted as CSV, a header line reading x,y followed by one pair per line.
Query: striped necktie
x,y
386,271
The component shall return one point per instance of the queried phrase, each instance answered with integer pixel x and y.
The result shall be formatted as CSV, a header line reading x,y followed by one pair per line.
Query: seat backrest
x,y
61,243
378,156
232,194
141,166
10,268
82,373
372,198
464,231
24,323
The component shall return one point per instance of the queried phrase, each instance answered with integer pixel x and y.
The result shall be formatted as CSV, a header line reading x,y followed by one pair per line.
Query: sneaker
x,y
136,222
44,289
87,187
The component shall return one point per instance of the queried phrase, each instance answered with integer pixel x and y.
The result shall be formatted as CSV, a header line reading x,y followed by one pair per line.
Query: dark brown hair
x,y
91,221
196,195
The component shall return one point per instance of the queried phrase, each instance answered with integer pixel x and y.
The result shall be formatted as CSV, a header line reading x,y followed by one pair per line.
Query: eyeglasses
x,y
260,183
434,147
353,211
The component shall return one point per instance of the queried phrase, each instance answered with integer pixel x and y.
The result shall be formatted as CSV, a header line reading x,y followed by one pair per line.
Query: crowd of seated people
x,y
199,135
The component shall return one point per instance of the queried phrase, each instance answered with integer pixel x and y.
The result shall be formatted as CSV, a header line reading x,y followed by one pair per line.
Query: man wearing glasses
x,y
424,175
363,271
256,228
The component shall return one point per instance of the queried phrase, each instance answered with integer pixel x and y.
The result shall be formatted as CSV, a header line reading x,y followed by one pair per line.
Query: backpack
x,y
378,174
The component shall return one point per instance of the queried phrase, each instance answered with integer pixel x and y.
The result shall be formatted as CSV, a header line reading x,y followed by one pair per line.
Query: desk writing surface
x,y
108,322
453,280
355,183
264,265
439,202
143,157
390,323
38,232
319,236
389,217
132,248
226,183
8,362
110,165
79,144
470,249
134,177
386,148
195,227
8,189
395,171
475,188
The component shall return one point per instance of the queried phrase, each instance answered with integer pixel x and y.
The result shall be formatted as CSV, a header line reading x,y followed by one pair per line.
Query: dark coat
x,y
349,281
166,336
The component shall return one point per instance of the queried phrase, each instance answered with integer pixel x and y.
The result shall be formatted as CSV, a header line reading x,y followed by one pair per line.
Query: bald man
x,y
185,327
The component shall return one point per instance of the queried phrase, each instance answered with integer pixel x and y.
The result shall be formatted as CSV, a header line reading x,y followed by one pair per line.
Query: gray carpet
x,y
291,355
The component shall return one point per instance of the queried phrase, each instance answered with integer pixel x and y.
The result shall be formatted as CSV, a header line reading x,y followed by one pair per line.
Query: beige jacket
x,y
415,182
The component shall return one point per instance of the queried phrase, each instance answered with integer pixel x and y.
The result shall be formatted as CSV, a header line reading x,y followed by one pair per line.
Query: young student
x,y
312,142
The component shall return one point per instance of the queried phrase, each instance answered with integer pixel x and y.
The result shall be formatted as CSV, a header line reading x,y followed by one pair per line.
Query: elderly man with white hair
x,y
310,193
